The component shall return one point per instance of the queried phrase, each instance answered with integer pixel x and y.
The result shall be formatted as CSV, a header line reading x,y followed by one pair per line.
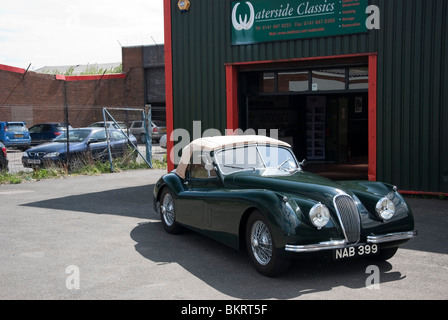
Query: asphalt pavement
x,y
97,237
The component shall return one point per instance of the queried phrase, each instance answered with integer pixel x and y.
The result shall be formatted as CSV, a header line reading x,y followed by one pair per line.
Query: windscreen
x,y
267,159
74,136
16,127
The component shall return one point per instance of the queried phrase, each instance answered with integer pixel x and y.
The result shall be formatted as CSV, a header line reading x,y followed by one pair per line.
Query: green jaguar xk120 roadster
x,y
251,192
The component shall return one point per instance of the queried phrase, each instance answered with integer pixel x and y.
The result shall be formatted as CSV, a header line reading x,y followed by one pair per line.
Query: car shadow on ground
x,y
227,270
130,202
231,272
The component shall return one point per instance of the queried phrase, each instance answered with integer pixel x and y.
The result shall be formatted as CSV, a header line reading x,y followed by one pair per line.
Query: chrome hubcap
x,y
261,243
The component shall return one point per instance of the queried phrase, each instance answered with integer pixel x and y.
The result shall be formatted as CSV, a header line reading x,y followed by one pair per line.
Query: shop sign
x,y
266,20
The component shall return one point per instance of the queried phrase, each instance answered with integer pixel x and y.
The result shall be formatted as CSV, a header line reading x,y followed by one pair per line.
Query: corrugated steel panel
x,y
412,110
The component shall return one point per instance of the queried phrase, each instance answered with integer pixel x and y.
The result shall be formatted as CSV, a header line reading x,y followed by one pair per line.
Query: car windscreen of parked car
x,y
12,127
76,135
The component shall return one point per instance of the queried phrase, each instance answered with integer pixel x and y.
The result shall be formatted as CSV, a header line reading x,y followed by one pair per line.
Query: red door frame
x,y
232,97
168,83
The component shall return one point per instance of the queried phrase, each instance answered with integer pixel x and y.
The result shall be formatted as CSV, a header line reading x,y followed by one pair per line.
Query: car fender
x,y
170,180
369,193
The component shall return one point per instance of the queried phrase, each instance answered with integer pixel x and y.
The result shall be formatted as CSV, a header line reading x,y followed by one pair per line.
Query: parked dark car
x,y
86,145
3,158
15,135
46,132
250,191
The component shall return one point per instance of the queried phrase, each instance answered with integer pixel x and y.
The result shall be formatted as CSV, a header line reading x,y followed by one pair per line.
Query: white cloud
x,y
51,32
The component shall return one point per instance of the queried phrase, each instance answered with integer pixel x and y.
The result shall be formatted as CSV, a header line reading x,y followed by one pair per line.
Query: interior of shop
x,y
322,113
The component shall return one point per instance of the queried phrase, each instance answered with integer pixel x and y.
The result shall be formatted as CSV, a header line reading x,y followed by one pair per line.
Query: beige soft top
x,y
220,142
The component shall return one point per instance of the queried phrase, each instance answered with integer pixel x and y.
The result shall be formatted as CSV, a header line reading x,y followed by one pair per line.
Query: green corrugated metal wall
x,y
412,47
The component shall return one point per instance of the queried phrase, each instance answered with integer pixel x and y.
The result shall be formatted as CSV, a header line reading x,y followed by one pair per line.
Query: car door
x,y
97,145
118,143
197,185
46,133
36,134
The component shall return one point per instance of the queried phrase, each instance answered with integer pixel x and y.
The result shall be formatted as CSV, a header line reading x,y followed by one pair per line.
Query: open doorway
x,y
324,116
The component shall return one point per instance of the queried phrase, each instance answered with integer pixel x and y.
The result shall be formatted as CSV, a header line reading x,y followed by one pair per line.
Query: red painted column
x,y
232,97
373,74
168,83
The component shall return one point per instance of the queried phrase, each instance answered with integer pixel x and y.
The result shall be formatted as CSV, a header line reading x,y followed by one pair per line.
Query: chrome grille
x,y
38,154
348,217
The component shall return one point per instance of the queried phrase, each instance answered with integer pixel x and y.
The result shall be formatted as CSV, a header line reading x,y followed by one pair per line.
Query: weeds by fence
x,y
93,168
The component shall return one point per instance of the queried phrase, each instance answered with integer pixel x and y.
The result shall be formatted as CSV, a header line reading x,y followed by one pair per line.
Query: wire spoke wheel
x,y
168,210
261,243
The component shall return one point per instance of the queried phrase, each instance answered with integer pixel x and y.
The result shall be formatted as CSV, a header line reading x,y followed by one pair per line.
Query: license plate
x,y
355,251
18,136
33,161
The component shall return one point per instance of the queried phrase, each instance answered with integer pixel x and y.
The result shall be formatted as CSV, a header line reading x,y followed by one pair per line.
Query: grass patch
x,y
41,174
95,168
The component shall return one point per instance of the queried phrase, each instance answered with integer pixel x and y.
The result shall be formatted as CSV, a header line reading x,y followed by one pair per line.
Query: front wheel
x,y
168,212
76,163
261,247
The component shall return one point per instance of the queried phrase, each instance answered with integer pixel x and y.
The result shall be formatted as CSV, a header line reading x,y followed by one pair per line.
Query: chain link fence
x,y
130,126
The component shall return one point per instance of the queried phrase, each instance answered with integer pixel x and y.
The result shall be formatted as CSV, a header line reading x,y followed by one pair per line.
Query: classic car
x,y
251,192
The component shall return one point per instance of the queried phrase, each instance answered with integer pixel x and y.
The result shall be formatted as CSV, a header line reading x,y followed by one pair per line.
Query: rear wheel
x,y
261,247
168,212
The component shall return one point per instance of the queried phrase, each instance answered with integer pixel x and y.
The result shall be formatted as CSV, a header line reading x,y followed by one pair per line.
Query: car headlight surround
x,y
385,208
319,215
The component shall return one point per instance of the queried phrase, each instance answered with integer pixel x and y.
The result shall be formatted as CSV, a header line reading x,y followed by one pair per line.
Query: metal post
x,y
67,132
147,123
108,140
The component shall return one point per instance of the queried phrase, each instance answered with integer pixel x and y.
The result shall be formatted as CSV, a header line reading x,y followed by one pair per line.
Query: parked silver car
x,y
157,130
110,124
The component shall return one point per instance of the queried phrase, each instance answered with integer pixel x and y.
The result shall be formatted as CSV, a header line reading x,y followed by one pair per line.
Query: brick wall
x,y
36,98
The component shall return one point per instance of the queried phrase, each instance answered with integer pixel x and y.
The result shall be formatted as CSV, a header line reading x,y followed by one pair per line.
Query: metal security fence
x,y
140,127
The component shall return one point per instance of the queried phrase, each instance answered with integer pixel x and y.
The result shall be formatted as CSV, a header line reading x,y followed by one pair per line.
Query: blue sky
x,y
55,32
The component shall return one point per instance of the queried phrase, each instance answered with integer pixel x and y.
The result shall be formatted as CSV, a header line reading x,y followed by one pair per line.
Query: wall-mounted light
x,y
184,5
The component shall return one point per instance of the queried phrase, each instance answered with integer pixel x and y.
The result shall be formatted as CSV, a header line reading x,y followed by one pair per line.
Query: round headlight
x,y
319,215
385,208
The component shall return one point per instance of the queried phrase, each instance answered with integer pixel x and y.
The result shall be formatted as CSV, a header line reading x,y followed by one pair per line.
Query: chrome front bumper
x,y
339,244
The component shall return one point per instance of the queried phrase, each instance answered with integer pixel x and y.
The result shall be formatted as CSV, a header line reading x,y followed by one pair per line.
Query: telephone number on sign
x,y
355,251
